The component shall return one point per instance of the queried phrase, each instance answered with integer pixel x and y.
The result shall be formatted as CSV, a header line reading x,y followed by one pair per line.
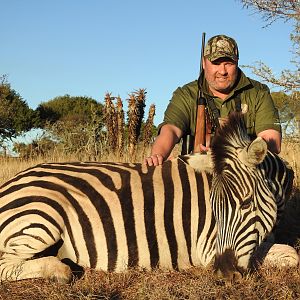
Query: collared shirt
x,y
256,103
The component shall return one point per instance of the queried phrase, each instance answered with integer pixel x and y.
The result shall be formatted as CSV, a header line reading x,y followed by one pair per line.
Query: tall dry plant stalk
x,y
110,119
132,120
136,109
121,128
148,129
140,97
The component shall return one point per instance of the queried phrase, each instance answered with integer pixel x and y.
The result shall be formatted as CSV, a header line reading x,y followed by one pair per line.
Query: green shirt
x,y
256,100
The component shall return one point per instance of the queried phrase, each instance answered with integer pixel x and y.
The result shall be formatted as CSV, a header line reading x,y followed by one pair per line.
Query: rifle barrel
x,y
200,130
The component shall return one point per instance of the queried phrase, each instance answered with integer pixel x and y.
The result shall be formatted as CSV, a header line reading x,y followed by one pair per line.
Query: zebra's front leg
x,y
12,267
19,248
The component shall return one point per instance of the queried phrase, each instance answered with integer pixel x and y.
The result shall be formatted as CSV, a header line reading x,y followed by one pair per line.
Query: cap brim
x,y
215,56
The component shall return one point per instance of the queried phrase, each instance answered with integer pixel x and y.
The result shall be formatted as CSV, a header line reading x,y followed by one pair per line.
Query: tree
x,y
289,112
77,109
289,80
287,10
271,11
15,115
75,123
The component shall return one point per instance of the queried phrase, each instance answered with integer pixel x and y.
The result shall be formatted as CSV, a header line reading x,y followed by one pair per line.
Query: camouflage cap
x,y
221,46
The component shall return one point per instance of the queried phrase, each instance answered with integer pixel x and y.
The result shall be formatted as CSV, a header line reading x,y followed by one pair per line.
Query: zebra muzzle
x,y
226,267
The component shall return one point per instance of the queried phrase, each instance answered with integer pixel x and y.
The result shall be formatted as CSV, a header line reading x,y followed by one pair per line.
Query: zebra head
x,y
249,184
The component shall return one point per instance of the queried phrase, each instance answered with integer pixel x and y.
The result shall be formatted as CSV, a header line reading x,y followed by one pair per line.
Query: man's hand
x,y
204,148
169,135
273,139
154,160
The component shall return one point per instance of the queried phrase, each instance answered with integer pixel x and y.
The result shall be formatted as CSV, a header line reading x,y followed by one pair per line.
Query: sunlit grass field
x,y
269,282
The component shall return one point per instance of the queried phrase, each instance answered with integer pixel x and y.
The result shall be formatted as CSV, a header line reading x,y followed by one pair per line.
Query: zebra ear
x,y
255,153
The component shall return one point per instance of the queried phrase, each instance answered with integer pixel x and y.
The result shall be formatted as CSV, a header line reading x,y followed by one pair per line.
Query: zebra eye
x,y
247,203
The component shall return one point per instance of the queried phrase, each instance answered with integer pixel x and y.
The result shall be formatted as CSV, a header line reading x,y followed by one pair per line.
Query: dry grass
x,y
290,151
266,283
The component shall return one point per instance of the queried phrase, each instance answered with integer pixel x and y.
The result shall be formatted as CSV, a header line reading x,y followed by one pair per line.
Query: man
x,y
225,88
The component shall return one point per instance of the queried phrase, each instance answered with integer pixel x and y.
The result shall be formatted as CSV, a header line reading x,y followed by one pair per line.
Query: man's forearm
x,y
163,147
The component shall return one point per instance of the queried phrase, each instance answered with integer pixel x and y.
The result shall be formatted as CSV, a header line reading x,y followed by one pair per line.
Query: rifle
x,y
200,137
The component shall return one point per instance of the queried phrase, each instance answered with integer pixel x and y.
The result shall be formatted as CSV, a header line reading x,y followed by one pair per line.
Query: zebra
x,y
249,190
114,216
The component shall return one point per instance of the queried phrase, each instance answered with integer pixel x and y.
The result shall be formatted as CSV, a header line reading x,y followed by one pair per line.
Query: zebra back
x,y
110,216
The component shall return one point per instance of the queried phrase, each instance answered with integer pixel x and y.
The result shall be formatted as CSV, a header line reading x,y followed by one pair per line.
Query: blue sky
x,y
88,48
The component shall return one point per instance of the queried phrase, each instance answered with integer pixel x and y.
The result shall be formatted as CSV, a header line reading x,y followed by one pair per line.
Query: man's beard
x,y
224,90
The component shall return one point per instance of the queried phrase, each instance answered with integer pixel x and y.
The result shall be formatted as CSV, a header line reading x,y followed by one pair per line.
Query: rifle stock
x,y
200,134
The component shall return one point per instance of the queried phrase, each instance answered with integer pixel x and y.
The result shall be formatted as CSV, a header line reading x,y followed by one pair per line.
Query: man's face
x,y
220,74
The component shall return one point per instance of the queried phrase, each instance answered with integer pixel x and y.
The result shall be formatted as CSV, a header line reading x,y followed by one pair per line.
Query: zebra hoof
x,y
64,278
57,271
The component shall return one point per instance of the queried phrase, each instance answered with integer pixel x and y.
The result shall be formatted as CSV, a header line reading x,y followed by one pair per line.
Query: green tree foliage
x,y
75,123
67,108
81,128
15,115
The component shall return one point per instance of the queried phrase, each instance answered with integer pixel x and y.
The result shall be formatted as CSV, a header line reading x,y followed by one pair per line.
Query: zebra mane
x,y
199,162
228,138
